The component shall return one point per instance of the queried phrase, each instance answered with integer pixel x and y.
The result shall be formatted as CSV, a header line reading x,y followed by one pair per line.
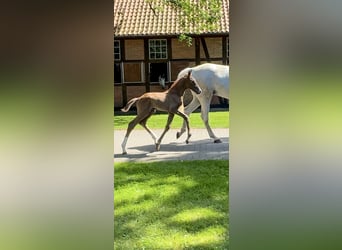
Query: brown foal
x,y
170,101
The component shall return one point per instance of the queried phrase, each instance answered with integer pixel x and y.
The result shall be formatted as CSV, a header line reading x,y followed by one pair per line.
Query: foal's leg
x,y
205,107
186,120
143,123
191,107
167,127
130,127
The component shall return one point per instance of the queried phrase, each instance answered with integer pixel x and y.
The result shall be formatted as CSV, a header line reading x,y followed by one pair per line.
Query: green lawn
x,y
217,119
171,205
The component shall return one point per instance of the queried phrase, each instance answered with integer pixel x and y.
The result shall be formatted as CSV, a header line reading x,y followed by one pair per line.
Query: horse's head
x,y
192,84
161,81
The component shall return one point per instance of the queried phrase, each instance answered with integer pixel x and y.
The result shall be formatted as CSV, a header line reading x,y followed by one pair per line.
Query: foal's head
x,y
191,83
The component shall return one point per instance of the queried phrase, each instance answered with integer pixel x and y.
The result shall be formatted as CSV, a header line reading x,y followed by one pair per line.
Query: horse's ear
x,y
189,73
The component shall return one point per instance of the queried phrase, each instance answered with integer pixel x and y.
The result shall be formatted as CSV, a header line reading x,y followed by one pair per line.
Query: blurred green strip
x,y
218,119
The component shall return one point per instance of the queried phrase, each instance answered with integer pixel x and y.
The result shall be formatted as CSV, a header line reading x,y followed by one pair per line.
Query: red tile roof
x,y
135,18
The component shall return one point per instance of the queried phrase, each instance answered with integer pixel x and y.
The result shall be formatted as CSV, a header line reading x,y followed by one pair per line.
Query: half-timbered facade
x,y
148,53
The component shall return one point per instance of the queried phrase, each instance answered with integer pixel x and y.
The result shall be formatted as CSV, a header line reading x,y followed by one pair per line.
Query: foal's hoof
x,y
178,135
217,141
187,140
157,147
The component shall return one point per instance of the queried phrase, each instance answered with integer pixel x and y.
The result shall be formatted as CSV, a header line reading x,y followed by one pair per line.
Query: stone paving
x,y
140,146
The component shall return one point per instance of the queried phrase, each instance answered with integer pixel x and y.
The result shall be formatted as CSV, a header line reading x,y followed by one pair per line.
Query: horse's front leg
x,y
191,107
205,107
167,127
186,120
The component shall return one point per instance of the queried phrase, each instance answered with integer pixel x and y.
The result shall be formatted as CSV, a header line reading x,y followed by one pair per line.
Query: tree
x,y
196,16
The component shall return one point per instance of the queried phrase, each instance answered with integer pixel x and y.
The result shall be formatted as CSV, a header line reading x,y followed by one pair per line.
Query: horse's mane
x,y
183,72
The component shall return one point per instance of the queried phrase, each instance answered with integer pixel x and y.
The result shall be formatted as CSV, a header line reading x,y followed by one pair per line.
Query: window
x,y
158,71
117,54
117,73
157,48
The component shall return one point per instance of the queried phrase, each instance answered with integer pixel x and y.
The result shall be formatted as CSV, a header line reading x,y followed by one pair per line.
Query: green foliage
x,y
196,16
185,38
171,205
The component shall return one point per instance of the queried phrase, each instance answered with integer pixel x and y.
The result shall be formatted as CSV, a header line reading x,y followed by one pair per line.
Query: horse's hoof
x,y
124,153
157,147
187,141
217,141
178,135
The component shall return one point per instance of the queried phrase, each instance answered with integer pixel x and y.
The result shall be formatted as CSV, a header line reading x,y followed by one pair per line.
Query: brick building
x,y
147,49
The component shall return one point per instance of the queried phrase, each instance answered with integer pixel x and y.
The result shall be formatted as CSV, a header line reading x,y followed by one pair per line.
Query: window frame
x,y
158,48
118,52
120,64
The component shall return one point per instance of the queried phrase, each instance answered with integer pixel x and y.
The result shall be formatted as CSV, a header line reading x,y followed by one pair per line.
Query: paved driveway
x,y
140,146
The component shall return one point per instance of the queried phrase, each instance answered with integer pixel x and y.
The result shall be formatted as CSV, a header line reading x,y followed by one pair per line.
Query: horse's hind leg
x,y
167,127
130,127
191,107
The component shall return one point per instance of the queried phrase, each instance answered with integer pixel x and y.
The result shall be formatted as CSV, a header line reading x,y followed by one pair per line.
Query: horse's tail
x,y
129,104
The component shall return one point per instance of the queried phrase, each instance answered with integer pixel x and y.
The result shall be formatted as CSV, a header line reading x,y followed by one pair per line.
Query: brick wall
x,y
118,96
134,49
176,67
132,72
180,50
135,91
214,45
156,88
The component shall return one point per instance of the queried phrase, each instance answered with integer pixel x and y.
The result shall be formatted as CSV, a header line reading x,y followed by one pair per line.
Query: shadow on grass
x,y
171,205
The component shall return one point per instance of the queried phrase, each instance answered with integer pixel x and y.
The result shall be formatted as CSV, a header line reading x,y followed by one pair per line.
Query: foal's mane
x,y
182,77
175,82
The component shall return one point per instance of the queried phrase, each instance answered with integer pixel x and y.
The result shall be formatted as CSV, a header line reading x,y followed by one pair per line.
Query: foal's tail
x,y
129,104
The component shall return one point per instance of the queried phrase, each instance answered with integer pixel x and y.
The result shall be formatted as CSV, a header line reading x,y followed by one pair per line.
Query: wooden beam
x,y
224,51
228,50
146,65
122,50
123,85
169,58
205,48
124,94
169,49
197,51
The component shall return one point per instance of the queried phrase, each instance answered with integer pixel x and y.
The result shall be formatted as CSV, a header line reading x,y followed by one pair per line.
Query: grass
x,y
171,205
217,119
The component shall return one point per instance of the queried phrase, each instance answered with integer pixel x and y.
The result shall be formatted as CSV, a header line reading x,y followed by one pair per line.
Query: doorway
x,y
159,70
